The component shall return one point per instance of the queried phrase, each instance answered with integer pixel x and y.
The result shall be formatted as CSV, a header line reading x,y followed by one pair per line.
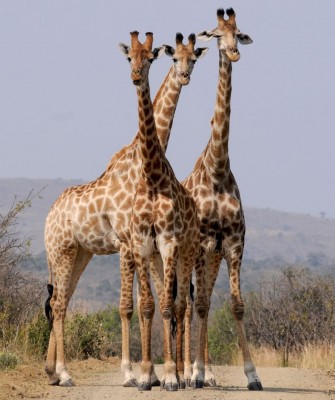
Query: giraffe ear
x,y
200,52
244,39
158,51
205,35
169,50
124,49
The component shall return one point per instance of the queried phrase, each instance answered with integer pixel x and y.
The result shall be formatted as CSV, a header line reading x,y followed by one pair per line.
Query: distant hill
x,y
273,239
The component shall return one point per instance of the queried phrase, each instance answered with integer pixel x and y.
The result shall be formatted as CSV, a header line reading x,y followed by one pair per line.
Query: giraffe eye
x,y
129,59
174,60
194,61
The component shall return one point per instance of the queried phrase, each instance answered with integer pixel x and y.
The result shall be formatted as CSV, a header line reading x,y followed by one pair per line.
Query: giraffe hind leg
x,y
234,263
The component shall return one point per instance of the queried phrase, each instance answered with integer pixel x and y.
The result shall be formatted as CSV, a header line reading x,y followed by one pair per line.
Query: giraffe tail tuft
x,y
175,287
47,307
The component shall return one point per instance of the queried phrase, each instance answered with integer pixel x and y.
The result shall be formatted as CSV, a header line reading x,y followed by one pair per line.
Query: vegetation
x,y
293,309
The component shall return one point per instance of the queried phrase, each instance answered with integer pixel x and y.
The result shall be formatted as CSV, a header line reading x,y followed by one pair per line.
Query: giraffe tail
x,y
175,287
47,306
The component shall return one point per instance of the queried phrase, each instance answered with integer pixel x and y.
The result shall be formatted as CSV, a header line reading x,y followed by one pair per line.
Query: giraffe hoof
x,y
188,382
144,386
210,383
156,382
171,387
182,384
197,384
255,386
54,381
67,383
131,383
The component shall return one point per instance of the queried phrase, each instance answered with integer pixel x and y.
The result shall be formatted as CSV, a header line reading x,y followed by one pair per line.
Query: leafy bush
x,y
38,334
112,327
222,336
84,336
8,361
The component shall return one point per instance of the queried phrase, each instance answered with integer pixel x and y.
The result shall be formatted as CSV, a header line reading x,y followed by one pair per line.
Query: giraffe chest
x,y
221,220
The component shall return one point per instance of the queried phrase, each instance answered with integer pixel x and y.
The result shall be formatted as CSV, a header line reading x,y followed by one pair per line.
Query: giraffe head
x,y
140,56
228,34
185,56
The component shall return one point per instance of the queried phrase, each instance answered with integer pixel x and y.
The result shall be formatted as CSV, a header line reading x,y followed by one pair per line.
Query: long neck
x,y
165,104
150,148
217,158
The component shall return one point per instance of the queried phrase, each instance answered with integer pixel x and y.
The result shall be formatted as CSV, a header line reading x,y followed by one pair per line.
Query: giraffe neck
x,y
217,158
150,148
165,104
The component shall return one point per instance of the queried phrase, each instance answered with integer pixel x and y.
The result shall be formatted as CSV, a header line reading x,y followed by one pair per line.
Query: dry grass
x,y
30,380
313,356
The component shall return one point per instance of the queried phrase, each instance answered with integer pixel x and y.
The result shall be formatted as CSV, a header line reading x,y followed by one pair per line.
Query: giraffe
x,y
216,193
94,219
164,226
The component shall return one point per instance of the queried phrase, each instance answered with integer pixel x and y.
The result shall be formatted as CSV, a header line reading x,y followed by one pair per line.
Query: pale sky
x,y
67,103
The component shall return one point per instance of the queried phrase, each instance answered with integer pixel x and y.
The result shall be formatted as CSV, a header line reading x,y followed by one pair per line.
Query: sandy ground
x,y
98,380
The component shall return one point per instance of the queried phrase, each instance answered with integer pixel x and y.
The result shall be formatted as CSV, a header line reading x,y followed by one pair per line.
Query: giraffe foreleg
x,y
212,269
170,259
127,268
187,340
146,310
201,306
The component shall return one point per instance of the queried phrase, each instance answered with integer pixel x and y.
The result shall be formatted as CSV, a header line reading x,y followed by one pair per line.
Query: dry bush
x,y
291,311
20,292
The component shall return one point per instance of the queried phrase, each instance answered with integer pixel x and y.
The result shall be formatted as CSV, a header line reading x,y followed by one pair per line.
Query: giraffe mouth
x,y
233,56
137,82
184,79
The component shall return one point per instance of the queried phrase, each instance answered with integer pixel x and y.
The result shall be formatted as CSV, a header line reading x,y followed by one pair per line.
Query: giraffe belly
x,y
97,236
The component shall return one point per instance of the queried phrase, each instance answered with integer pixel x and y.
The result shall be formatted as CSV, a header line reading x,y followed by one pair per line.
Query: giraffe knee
x,y
167,309
148,308
126,310
201,306
238,309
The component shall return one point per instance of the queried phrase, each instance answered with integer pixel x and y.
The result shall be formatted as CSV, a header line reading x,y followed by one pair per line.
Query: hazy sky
x,y
67,103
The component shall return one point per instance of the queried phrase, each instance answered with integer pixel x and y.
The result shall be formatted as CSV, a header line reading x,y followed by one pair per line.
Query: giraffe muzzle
x,y
137,82
233,54
184,78
136,76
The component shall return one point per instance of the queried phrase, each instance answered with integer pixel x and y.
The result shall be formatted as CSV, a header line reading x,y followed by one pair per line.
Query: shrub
x,y
84,336
112,327
8,361
222,336
291,310
38,334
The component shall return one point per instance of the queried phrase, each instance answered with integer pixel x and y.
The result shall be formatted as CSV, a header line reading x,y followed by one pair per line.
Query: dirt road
x,y
94,383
